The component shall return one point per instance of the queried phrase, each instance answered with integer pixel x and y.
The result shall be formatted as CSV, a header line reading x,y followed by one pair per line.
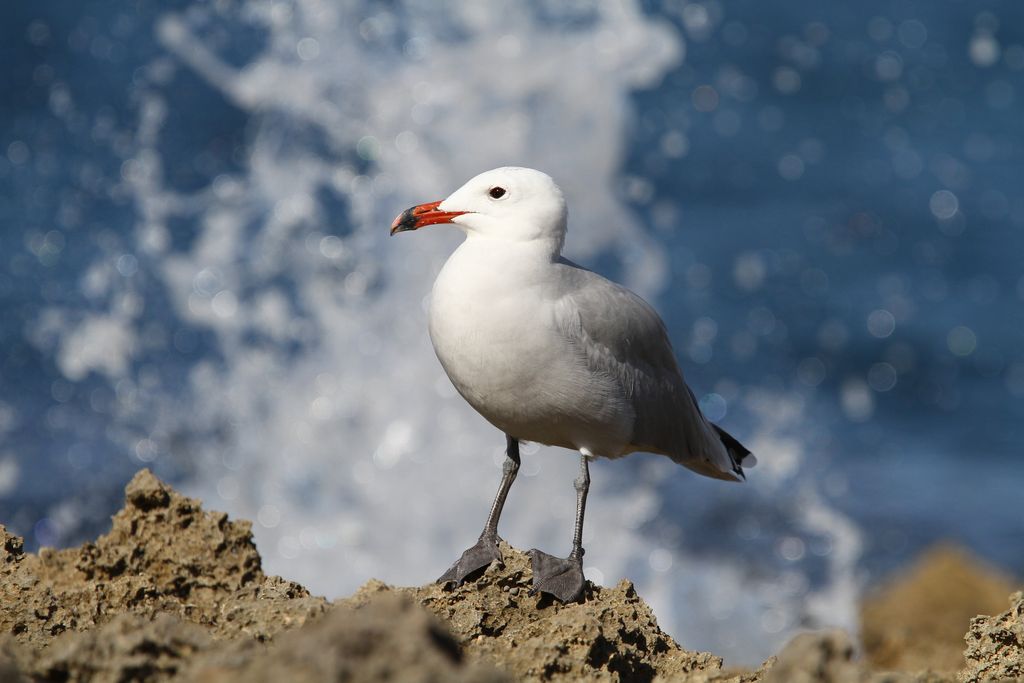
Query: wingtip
x,y
743,462
739,455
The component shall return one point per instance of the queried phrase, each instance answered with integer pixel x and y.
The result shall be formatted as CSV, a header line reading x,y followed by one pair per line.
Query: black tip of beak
x,y
405,222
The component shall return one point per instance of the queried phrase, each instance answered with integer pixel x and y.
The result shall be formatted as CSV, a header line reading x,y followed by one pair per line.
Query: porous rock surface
x,y
163,555
611,635
176,593
390,639
995,646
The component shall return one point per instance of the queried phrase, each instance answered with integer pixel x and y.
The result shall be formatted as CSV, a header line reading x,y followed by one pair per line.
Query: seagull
x,y
550,352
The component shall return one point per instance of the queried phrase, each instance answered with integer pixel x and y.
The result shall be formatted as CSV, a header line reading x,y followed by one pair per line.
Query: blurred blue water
x,y
833,191
896,102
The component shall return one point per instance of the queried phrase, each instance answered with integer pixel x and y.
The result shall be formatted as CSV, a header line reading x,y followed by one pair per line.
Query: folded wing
x,y
617,333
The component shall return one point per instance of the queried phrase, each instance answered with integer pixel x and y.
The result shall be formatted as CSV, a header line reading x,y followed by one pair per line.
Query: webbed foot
x,y
557,576
474,559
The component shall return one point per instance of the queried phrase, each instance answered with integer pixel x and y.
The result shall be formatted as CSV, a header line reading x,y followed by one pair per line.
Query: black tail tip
x,y
740,454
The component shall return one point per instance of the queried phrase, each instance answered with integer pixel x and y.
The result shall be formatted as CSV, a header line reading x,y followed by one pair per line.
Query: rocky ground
x,y
176,593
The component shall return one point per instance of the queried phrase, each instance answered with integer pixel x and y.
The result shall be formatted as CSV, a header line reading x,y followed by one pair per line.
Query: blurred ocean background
x,y
823,200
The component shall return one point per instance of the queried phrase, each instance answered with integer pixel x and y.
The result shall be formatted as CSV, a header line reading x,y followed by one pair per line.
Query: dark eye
x,y
496,192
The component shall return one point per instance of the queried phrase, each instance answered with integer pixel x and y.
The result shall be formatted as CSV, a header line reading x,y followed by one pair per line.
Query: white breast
x,y
492,327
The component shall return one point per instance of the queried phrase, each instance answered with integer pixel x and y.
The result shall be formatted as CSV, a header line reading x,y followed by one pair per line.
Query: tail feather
x,y
739,454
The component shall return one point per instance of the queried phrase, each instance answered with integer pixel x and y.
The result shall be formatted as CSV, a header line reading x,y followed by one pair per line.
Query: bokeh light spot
x,y
961,340
811,371
943,204
881,323
984,49
713,406
660,560
308,49
882,377
856,401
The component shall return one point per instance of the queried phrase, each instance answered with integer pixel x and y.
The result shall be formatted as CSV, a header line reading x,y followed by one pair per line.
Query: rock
x,y
146,492
611,636
13,658
995,646
174,593
917,620
387,639
12,549
830,657
814,657
129,647
163,555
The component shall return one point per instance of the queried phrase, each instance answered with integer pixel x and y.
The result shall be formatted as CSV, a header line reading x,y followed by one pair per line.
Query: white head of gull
x,y
550,352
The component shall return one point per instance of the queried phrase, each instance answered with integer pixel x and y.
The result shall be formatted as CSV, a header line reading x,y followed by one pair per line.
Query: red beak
x,y
424,214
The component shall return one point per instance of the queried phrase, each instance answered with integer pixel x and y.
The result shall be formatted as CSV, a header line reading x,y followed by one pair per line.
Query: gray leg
x,y
563,578
486,549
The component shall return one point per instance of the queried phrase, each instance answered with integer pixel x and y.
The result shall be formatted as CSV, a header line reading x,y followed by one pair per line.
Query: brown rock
x,y
12,549
13,659
129,647
917,620
830,657
813,657
176,593
388,639
146,492
611,636
995,646
163,555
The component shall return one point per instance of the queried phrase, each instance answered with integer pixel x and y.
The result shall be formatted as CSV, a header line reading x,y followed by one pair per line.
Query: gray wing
x,y
618,334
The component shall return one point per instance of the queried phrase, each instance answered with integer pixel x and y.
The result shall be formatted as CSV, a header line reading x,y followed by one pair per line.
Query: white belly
x,y
494,333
